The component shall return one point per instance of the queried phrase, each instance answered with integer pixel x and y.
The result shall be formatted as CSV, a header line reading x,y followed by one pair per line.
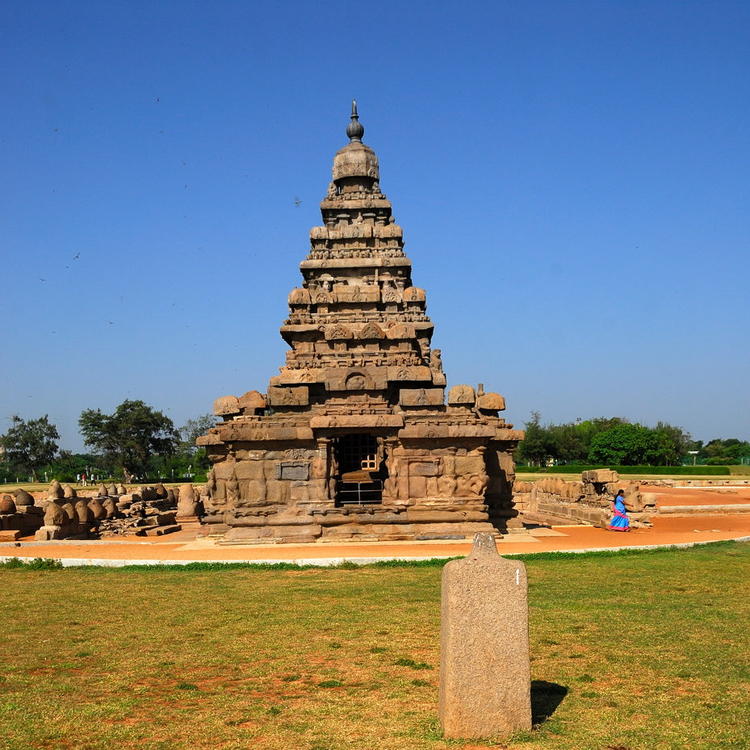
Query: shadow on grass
x,y
545,698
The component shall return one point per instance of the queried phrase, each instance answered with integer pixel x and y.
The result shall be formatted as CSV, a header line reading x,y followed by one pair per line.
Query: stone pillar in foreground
x,y
485,675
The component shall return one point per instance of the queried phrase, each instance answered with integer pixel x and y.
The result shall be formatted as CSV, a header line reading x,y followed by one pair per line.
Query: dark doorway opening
x,y
361,470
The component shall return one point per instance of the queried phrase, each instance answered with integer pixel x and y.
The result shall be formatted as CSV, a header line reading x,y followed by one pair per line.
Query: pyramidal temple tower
x,y
354,439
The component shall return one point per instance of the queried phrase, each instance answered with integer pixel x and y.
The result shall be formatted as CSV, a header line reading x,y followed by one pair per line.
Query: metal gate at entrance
x,y
360,475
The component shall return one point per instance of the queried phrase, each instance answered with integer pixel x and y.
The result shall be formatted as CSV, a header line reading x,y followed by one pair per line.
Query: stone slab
x,y
485,673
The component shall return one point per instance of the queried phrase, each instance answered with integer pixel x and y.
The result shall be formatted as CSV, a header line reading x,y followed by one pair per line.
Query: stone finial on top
x,y
484,544
355,130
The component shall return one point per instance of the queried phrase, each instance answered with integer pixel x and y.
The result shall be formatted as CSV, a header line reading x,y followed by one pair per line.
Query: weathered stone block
x,y
469,464
421,397
485,675
491,402
424,468
291,396
299,492
226,406
461,395
600,475
248,470
417,486
293,470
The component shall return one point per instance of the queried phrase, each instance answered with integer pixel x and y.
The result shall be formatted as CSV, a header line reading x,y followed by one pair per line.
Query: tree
x,y
624,445
194,428
535,448
128,438
29,445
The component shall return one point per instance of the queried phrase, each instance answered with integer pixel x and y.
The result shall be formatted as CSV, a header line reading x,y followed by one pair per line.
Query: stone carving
x,y
23,498
413,294
226,406
421,397
55,491
491,402
372,331
69,492
233,489
97,509
299,297
110,508
356,382
338,332
187,505
7,505
54,515
359,401
280,396
461,395
252,400
210,483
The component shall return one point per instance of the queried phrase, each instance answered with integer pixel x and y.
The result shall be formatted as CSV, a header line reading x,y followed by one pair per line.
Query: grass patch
x,y
642,649
405,662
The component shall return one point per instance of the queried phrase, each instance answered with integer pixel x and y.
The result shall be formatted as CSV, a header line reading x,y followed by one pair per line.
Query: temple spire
x,y
355,129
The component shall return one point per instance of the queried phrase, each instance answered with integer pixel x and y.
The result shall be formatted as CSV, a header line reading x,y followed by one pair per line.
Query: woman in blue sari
x,y
619,520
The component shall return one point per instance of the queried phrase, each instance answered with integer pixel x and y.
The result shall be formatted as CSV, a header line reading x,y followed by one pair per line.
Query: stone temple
x,y
354,439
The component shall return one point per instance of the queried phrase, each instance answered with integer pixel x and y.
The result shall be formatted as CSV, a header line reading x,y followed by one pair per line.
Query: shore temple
x,y
355,438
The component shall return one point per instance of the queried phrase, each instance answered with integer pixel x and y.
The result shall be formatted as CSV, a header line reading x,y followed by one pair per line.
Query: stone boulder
x,y
97,509
55,491
110,508
227,406
23,498
7,504
54,515
85,516
600,476
70,511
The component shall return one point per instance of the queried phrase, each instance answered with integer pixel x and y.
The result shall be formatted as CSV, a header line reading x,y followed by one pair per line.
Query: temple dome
x,y
355,160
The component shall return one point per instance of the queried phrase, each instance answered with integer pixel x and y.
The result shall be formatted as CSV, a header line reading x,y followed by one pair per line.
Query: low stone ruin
x,y
19,516
111,511
587,501
146,511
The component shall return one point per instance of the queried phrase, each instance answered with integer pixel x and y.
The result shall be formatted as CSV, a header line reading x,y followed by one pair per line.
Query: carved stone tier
x,y
354,438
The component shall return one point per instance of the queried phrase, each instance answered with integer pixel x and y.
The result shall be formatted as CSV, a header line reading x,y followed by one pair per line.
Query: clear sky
x,y
572,179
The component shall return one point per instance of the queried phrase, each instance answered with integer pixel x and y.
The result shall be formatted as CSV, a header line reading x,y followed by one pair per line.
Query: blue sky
x,y
572,179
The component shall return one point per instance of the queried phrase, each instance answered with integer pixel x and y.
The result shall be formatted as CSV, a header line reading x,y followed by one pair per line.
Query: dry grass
x,y
639,650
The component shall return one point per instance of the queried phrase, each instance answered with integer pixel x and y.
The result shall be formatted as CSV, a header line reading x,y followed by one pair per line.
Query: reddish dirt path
x,y
184,546
700,495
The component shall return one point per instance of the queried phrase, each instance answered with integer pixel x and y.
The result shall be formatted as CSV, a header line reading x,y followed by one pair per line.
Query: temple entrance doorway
x,y
360,476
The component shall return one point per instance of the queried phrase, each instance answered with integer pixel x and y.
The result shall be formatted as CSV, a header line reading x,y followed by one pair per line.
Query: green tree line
x,y
616,441
134,441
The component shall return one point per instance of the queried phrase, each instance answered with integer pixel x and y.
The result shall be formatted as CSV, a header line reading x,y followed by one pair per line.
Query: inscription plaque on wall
x,y
293,470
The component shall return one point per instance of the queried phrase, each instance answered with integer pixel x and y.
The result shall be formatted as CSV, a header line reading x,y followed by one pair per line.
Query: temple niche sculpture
x,y
354,438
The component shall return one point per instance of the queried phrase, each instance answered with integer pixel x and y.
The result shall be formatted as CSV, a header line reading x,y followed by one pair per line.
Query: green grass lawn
x,y
637,650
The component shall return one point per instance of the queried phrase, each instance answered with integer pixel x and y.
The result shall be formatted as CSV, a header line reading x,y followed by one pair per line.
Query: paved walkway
x,y
183,546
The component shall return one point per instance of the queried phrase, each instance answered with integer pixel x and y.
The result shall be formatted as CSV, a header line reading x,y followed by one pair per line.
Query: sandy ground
x,y
699,495
184,546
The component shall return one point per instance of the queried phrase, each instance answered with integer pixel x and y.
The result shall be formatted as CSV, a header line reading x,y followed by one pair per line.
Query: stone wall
x,y
588,500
